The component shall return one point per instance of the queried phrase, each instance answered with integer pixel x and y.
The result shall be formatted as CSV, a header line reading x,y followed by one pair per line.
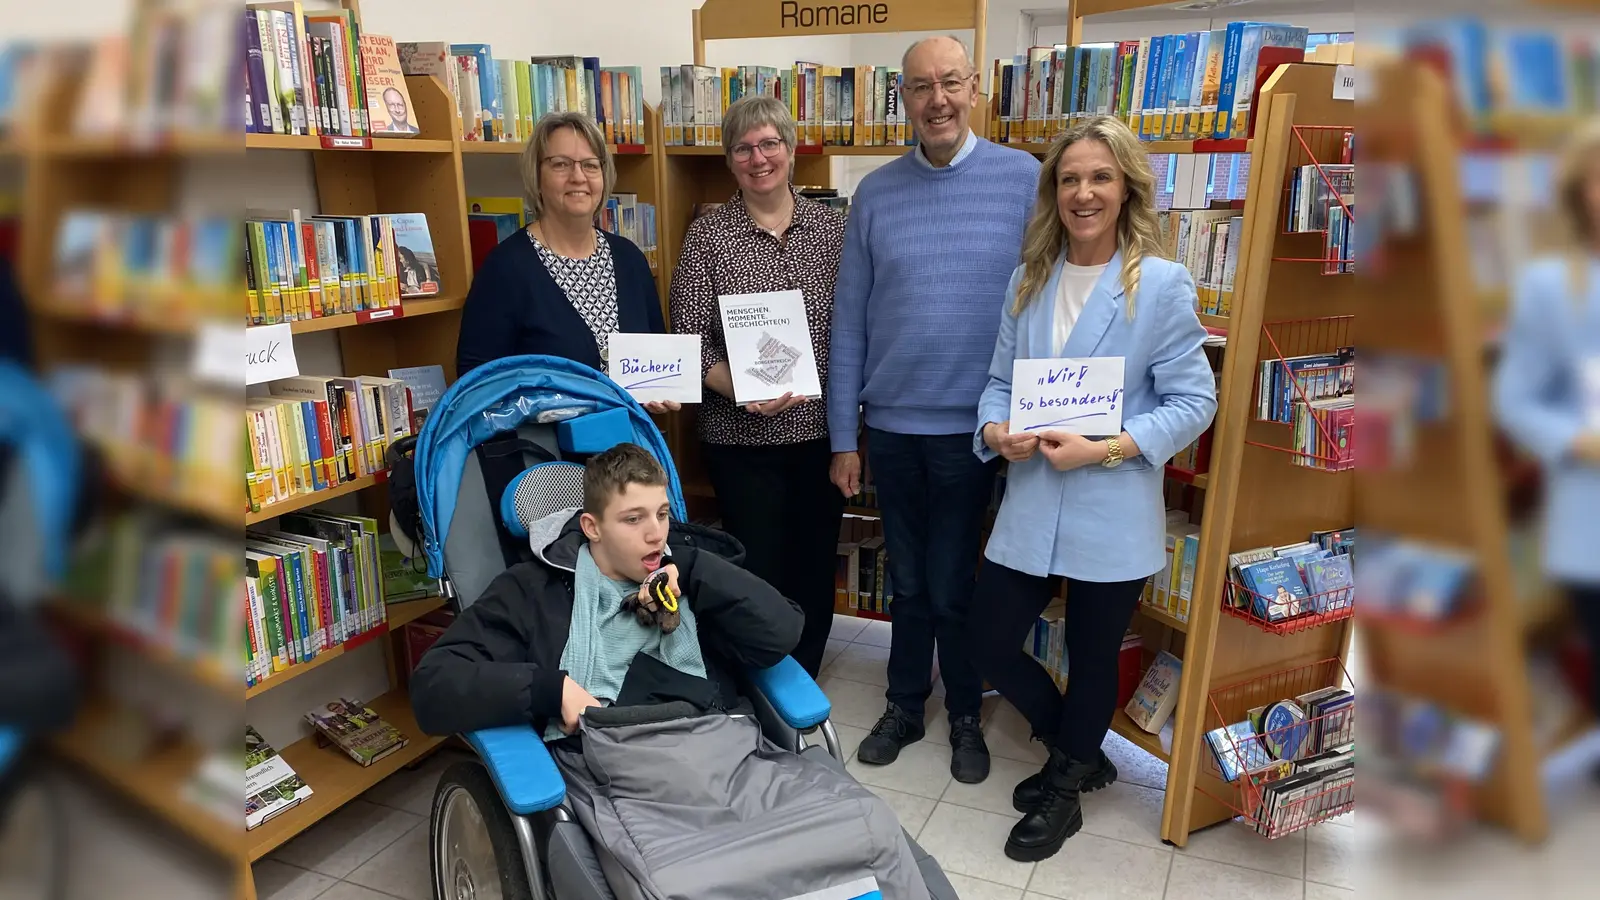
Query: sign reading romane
x,y
794,15
721,19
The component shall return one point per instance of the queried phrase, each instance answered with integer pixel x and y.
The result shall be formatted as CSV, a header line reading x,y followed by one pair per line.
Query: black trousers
x,y
1585,602
1007,605
779,502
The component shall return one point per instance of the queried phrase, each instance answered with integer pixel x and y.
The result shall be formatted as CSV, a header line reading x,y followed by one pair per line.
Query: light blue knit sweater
x,y
927,257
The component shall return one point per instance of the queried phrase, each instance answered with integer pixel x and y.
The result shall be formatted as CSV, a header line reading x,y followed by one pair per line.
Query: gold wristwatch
x,y
1113,454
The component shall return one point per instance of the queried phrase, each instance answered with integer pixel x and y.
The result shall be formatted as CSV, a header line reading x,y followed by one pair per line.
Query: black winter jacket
x,y
499,662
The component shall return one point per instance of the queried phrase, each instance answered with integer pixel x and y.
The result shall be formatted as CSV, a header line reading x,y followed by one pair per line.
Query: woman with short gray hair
x,y
560,286
768,462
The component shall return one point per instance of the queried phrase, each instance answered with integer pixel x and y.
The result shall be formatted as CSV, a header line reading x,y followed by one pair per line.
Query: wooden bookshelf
x,y
314,498
1478,666
1255,493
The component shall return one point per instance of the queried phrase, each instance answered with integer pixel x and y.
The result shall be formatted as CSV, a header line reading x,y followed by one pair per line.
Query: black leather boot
x,y
1057,817
1030,791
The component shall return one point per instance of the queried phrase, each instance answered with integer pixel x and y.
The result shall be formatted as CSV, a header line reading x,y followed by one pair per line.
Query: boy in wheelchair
x,y
635,692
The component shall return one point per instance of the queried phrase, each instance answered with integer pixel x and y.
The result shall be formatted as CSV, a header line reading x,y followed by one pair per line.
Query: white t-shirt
x,y
1077,283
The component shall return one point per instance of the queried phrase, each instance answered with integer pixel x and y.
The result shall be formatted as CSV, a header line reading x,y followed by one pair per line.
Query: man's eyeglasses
x,y
562,166
768,148
953,87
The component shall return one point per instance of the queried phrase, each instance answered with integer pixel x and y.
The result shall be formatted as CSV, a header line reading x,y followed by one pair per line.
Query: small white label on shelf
x,y
268,353
1344,83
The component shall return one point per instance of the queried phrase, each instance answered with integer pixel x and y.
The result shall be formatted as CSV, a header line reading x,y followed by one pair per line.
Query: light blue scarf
x,y
604,638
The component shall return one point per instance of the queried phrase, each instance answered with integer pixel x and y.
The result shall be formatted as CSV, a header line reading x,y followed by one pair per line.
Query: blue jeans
x,y
933,492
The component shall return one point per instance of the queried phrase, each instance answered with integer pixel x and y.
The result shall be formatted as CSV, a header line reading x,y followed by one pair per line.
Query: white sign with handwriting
x,y
1079,396
656,366
269,353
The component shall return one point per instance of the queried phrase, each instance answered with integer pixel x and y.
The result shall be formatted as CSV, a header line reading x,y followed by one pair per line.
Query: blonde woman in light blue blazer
x,y
1087,509
1542,399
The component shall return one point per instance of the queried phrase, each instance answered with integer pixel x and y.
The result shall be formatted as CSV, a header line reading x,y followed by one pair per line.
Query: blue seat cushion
x,y
595,432
521,767
792,692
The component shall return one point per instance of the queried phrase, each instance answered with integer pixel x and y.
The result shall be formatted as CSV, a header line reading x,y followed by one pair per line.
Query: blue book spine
x,y
1230,78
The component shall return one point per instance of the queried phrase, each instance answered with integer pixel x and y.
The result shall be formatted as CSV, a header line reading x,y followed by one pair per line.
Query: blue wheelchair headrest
x,y
33,421
596,432
538,491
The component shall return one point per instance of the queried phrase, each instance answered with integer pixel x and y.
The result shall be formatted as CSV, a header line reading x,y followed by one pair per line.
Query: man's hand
x,y
777,405
1014,447
658,407
845,472
574,700
1067,451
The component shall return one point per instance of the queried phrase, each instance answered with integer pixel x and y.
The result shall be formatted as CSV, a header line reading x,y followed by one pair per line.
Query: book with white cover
x,y
769,346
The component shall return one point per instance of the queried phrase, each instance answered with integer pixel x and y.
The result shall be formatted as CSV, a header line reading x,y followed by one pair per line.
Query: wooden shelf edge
x,y
156,783
335,779
407,309
211,673
314,143
1157,745
1164,617
303,501
397,615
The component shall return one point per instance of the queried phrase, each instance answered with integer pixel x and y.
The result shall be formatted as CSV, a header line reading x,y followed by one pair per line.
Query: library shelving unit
x,y
1452,490
1260,490
352,175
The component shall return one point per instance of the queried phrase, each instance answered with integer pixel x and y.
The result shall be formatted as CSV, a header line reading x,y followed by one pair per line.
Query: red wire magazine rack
x,y
1307,381
1280,812
1314,194
1283,615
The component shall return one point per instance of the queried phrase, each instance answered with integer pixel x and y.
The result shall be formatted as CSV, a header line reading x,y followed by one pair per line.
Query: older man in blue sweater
x,y
931,244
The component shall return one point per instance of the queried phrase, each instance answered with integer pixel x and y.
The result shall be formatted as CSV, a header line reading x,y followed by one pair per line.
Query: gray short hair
x,y
533,156
756,111
966,52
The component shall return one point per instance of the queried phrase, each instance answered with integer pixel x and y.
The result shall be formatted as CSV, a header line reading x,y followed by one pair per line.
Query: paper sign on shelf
x,y
1079,396
217,348
269,353
769,346
656,366
1344,83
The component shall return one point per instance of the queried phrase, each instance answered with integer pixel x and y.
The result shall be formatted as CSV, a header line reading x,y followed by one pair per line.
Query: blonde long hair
x,y
1579,163
1138,228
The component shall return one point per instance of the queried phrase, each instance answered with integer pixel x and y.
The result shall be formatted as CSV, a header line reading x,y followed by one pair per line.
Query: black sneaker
x,y
969,755
896,728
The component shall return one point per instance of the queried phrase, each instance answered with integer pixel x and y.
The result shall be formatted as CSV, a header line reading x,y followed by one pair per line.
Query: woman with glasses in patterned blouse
x,y
768,462
560,286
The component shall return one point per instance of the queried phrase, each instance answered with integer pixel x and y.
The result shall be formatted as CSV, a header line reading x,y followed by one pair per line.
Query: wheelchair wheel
x,y
474,850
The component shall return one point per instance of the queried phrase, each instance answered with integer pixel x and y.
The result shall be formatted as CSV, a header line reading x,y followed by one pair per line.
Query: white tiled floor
x,y
376,848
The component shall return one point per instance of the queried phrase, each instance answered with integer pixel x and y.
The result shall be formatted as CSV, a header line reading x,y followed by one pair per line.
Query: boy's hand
x,y
671,575
574,700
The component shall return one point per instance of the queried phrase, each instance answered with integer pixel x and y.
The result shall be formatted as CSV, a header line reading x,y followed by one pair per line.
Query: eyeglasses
x,y
953,87
768,147
562,166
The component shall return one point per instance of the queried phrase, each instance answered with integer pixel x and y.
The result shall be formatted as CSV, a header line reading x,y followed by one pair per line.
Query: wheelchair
x,y
503,447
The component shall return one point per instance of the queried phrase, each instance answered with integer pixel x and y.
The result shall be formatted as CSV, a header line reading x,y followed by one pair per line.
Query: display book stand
x,y
353,175
1452,490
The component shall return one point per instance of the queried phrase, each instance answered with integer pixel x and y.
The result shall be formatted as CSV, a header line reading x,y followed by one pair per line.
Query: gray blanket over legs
x,y
703,807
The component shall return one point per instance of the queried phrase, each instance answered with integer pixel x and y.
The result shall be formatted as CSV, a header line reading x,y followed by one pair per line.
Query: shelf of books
x,y
1482,659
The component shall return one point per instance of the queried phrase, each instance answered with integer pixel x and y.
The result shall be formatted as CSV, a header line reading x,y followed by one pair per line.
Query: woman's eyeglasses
x,y
562,166
768,148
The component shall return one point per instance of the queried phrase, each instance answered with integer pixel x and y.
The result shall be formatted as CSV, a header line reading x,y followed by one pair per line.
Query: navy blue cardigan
x,y
515,308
